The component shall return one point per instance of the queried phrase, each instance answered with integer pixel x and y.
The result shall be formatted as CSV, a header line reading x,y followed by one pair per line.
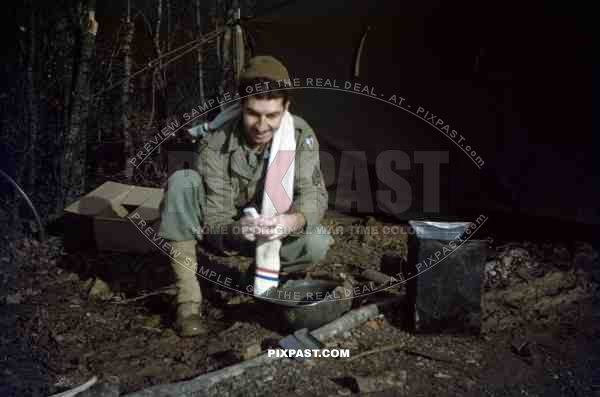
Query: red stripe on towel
x,y
262,269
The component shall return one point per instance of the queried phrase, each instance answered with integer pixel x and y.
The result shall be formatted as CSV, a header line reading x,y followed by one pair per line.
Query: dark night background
x,y
514,79
525,109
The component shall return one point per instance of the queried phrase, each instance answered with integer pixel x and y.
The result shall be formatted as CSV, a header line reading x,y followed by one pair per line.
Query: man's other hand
x,y
248,228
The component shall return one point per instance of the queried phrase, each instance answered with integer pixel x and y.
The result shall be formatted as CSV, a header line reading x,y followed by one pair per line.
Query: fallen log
x,y
347,322
378,277
200,385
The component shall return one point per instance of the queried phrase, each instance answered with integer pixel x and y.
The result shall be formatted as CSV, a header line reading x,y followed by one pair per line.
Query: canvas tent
x,y
496,74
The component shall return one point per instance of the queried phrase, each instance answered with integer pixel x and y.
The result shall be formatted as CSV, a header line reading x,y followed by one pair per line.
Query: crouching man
x,y
232,174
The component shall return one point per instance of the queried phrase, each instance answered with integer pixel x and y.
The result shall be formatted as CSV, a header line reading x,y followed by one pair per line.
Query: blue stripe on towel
x,y
267,277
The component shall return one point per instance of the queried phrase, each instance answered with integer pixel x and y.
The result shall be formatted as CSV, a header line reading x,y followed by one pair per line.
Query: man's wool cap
x,y
265,66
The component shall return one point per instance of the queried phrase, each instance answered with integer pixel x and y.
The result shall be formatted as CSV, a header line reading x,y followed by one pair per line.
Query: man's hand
x,y
266,228
248,228
279,226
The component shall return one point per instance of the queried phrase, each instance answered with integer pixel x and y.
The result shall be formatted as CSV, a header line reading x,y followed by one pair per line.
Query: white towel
x,y
284,146
275,200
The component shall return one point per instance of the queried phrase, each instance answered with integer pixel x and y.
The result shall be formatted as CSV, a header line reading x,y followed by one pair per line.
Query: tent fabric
x,y
486,73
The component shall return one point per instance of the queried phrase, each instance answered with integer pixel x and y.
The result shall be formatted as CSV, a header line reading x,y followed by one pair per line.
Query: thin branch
x,y
151,64
428,356
78,389
145,19
170,290
377,350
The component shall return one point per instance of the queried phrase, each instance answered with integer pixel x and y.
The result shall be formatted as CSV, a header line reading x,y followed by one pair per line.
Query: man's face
x,y
262,118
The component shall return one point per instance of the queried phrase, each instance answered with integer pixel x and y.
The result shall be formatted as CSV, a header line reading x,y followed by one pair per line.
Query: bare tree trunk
x,y
32,107
74,162
64,131
238,46
157,74
125,94
219,22
161,76
168,25
159,4
200,59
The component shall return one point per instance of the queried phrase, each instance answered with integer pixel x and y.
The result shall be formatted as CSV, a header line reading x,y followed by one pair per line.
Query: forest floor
x,y
60,325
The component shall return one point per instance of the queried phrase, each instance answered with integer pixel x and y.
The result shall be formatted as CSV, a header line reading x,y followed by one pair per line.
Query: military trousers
x,y
182,219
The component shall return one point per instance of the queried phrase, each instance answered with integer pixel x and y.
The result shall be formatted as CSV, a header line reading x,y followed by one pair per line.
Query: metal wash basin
x,y
308,303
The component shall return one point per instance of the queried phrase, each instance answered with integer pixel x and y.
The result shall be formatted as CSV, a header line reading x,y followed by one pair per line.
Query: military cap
x,y
265,66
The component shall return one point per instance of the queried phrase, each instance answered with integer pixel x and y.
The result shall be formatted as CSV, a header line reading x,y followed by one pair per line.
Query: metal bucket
x,y
445,278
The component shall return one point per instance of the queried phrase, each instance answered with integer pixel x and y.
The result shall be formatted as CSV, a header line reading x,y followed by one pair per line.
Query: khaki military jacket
x,y
234,174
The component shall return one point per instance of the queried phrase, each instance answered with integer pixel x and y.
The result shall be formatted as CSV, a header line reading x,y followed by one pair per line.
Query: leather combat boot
x,y
189,297
189,322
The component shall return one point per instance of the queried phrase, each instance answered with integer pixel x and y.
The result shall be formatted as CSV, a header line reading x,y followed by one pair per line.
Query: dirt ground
x,y
60,325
